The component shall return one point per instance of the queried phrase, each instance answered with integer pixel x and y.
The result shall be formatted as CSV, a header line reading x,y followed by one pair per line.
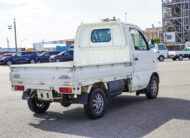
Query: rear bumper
x,y
75,89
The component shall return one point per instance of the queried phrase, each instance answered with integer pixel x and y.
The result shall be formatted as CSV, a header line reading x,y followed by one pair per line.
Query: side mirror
x,y
152,42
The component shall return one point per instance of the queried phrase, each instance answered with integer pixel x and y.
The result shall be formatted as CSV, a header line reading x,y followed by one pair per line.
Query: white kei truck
x,y
180,55
109,58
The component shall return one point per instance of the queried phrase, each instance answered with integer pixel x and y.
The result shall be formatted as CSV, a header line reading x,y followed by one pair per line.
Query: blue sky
x,y
58,19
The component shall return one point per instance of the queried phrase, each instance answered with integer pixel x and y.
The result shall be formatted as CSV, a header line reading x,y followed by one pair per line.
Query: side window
x,y
46,54
70,53
19,54
161,47
65,54
101,35
138,40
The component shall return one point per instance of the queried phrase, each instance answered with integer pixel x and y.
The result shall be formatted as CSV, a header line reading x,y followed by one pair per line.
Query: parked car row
x,y
33,57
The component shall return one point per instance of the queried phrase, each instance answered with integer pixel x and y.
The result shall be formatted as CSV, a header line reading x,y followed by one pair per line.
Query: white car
x,y
162,52
109,58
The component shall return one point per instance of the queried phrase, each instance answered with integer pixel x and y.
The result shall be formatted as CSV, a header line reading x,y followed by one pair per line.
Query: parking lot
x,y
127,115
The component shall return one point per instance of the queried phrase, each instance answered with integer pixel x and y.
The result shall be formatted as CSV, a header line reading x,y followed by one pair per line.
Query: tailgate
x,y
42,76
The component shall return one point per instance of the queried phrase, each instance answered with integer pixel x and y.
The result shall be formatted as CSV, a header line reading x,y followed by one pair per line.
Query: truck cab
x,y
162,52
109,58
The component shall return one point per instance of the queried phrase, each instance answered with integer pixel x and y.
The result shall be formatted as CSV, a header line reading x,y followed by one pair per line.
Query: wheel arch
x,y
156,75
101,85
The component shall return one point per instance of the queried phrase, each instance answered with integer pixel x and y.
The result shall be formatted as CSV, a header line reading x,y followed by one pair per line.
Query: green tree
x,y
156,40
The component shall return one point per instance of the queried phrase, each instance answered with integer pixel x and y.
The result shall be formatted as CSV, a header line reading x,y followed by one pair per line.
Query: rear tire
x,y
57,60
9,62
96,105
174,59
152,88
37,106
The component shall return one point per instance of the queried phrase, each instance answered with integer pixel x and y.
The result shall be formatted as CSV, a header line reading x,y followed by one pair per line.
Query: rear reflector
x,y
19,88
65,90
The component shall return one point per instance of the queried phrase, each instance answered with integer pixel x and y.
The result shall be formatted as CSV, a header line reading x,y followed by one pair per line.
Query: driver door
x,y
142,59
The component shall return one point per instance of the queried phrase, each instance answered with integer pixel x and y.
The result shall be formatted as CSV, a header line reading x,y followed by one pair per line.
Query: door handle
x,y
136,59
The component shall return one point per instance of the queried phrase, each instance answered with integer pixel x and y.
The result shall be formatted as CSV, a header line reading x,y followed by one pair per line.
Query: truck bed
x,y
66,74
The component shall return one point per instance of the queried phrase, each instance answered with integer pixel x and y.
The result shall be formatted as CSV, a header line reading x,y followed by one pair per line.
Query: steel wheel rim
x,y
161,58
98,103
154,87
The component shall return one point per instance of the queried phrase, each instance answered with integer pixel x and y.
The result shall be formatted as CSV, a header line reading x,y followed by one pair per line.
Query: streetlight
x,y
10,27
8,46
125,17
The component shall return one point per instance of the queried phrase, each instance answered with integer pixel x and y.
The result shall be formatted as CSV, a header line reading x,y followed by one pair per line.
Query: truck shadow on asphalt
x,y
126,116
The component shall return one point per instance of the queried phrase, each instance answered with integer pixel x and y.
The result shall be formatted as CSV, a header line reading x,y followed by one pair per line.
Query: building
x,y
176,20
51,45
154,32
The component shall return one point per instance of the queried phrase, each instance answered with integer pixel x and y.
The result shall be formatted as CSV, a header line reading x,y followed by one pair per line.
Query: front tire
x,y
37,106
161,58
32,61
96,105
152,88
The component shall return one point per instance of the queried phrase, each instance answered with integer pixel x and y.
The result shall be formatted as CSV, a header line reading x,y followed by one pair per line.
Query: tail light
x,y
19,88
65,90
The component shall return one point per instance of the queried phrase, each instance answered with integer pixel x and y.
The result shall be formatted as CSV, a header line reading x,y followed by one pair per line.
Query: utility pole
x,y
10,27
125,17
8,46
15,34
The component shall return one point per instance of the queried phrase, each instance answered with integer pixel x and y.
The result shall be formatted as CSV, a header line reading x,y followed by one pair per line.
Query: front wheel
x,y
152,88
161,58
32,61
37,106
96,105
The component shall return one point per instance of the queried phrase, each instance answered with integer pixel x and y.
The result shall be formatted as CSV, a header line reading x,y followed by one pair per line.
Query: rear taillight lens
x,y
65,90
19,88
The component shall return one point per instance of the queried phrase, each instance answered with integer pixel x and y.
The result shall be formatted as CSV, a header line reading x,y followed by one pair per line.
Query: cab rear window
x,y
101,35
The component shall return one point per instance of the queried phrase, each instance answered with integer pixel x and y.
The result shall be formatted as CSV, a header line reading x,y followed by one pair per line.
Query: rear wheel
x,y
174,59
96,103
152,88
57,60
9,62
38,106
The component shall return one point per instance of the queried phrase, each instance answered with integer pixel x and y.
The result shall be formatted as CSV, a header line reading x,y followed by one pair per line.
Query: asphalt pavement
x,y
126,116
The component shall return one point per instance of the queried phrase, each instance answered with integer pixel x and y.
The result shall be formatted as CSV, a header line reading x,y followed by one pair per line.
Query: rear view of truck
x,y
107,62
